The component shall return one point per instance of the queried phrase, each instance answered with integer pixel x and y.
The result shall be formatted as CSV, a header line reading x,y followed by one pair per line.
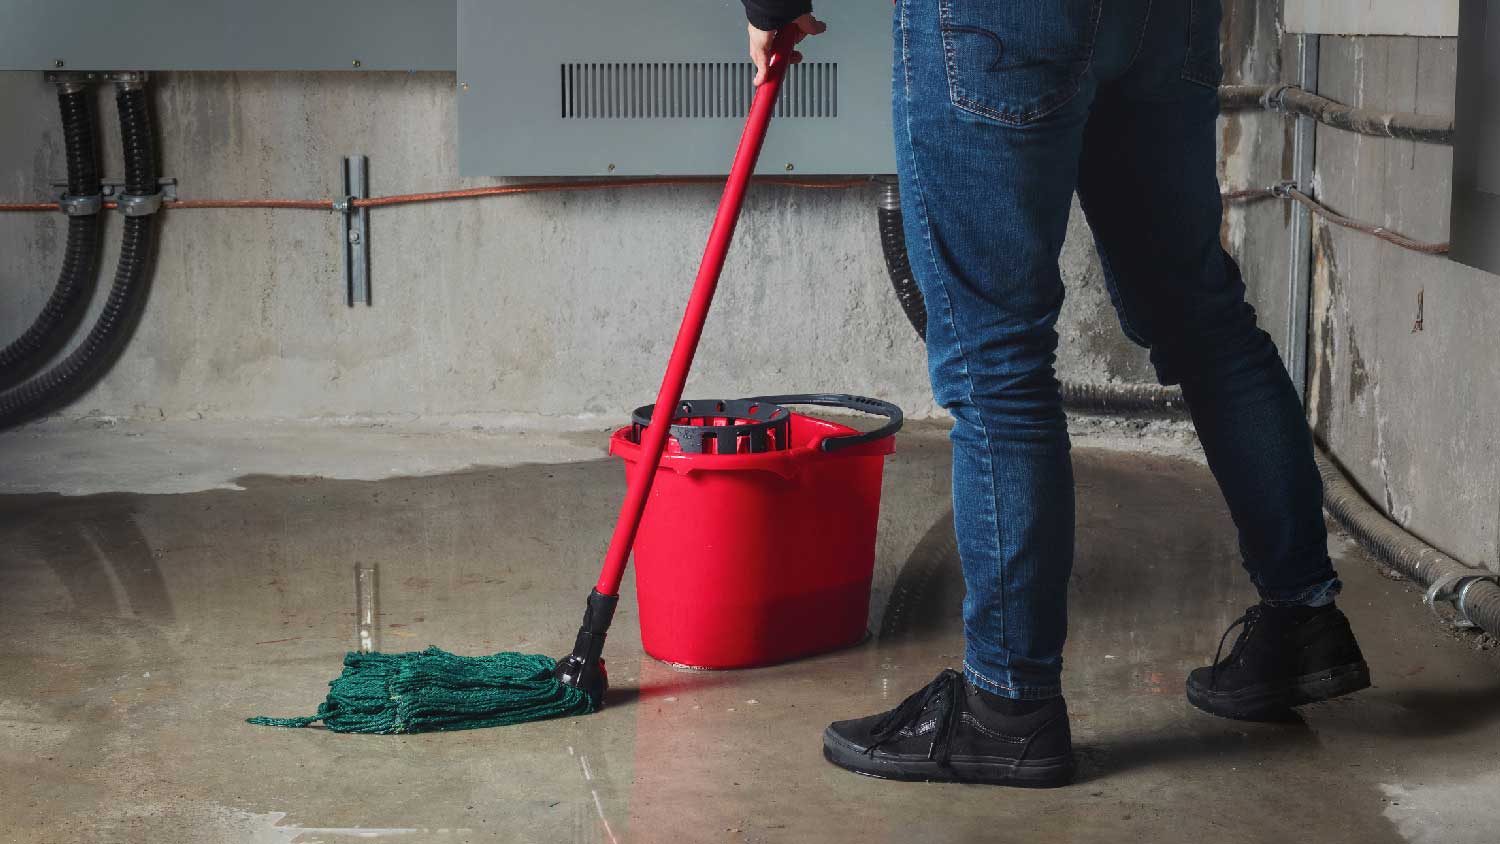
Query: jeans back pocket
x,y
1015,61
1203,64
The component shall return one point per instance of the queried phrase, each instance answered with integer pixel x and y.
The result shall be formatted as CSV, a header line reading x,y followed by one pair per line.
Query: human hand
x,y
761,40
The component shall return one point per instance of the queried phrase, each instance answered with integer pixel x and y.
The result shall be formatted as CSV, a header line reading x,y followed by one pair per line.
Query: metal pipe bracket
x,y
1275,97
80,78
356,230
111,190
1453,588
81,206
137,204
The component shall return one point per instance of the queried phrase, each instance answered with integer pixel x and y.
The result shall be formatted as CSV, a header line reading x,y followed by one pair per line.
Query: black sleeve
x,y
774,14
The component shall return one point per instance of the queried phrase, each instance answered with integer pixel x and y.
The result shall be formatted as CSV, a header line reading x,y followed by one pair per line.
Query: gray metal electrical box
x,y
227,35
645,87
560,88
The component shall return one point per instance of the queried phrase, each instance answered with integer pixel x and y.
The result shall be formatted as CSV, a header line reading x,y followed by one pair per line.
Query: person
x,y
1002,110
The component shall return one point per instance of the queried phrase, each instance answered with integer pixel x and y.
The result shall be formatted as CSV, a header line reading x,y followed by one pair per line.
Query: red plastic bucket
x,y
746,559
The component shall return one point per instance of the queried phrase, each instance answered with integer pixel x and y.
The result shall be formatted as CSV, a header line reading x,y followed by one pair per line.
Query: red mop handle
x,y
655,438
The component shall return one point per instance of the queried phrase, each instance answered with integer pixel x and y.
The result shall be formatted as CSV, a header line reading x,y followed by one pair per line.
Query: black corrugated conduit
x,y
127,296
1093,396
1117,396
1473,593
52,328
893,244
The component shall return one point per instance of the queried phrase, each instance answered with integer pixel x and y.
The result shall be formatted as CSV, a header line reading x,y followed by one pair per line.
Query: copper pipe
x,y
558,187
29,206
1247,195
468,193
1381,232
309,204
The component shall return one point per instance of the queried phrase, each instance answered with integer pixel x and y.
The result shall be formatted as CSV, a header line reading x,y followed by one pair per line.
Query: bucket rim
x,y
786,463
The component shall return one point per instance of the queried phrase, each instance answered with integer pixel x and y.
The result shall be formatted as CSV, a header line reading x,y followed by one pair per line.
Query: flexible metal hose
x,y
1390,544
52,328
116,323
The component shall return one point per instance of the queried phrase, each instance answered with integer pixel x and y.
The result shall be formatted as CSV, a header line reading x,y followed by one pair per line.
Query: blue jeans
x,y
1003,108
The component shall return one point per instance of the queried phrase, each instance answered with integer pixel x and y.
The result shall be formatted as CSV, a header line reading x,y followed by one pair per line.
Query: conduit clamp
x,y
1284,189
113,190
85,205
1453,588
137,204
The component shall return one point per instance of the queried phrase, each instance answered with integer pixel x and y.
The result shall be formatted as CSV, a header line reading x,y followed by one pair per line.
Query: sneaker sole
x,y
1259,703
1026,773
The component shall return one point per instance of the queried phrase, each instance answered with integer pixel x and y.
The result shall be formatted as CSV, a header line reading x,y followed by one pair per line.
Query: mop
x,y
432,690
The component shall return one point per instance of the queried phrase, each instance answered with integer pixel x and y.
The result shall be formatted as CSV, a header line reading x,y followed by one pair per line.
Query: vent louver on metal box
x,y
632,90
661,87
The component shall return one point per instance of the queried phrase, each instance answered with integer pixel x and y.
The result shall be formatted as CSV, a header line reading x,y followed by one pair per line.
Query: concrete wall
x,y
1412,414
562,305
498,310
548,304
1255,151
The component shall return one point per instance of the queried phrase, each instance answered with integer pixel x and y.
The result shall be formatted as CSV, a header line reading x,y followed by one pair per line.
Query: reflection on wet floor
x,y
141,630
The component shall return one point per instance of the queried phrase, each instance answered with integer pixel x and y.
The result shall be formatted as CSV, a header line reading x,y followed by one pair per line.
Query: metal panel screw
x,y
463,86
789,166
610,167
58,63
356,62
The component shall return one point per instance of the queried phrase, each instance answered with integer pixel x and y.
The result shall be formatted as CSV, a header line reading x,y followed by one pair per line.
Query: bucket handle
x,y
875,407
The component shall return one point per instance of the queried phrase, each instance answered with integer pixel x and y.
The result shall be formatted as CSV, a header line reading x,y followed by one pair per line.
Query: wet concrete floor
x,y
140,630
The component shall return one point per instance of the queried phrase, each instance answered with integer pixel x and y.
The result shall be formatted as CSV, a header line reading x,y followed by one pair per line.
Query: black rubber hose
x,y
1113,395
127,296
1100,396
55,325
898,265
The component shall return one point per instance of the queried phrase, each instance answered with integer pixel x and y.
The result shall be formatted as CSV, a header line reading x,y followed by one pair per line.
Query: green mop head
x,y
425,691
431,690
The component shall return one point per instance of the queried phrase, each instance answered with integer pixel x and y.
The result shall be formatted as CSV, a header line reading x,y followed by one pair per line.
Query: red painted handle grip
x,y
655,437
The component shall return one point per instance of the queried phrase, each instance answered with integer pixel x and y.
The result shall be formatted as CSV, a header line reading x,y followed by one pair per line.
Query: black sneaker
x,y
946,732
1284,657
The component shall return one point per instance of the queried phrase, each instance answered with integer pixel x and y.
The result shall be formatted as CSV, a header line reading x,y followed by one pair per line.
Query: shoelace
x,y
1246,623
948,691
